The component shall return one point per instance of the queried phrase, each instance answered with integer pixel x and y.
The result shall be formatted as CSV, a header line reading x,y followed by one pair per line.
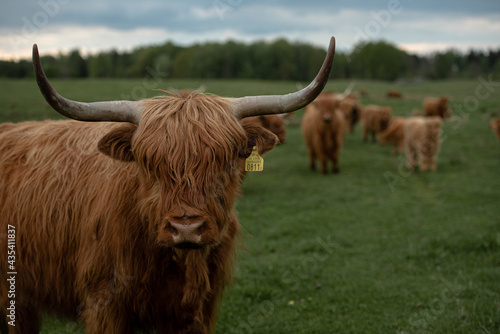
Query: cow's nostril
x,y
201,228
172,229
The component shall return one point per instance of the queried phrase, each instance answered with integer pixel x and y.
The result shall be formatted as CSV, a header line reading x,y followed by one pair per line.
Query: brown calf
x,y
324,128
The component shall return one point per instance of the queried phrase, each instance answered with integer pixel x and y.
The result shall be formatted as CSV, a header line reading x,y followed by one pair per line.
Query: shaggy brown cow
x,y
375,119
128,226
352,110
495,126
394,94
395,133
437,107
422,141
273,123
323,127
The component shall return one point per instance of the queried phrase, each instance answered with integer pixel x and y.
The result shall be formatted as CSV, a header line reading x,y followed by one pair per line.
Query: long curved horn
x,y
116,111
277,104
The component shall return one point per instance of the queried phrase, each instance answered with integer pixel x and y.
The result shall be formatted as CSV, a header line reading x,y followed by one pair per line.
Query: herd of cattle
x,y
331,116
124,219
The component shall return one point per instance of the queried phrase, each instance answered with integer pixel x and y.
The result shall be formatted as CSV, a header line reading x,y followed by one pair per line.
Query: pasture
x,y
375,249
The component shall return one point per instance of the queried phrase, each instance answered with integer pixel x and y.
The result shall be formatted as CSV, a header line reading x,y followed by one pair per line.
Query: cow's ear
x,y
118,143
258,136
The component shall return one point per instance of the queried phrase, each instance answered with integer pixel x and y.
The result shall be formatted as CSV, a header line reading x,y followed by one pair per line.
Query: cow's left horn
x,y
115,111
277,104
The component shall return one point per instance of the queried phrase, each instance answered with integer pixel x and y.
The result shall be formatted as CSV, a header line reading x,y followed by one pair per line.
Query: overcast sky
x,y
417,26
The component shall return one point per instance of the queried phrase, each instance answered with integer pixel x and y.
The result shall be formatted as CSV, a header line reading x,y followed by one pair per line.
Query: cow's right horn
x,y
116,111
277,104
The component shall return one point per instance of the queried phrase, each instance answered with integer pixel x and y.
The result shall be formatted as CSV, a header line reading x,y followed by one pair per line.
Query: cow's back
x,y
414,129
51,177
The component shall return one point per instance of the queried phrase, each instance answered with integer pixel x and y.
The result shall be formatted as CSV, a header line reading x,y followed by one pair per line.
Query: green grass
x,y
375,249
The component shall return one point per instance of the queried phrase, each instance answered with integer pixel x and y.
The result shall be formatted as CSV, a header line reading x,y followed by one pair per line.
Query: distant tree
x,y
445,64
77,66
276,60
341,66
19,69
182,62
378,60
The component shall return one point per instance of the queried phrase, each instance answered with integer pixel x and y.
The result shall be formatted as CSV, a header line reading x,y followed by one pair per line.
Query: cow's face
x,y
190,152
276,125
325,106
443,109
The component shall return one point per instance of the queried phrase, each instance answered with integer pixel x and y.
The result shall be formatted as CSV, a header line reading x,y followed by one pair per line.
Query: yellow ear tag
x,y
254,163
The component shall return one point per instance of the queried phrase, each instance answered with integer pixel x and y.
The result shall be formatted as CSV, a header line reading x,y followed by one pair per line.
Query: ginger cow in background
x,y
324,128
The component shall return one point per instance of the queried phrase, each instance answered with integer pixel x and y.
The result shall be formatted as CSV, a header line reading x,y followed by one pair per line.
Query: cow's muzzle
x,y
186,232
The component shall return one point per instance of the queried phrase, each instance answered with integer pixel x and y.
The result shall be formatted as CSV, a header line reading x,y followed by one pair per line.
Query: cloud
x,y
94,25
54,39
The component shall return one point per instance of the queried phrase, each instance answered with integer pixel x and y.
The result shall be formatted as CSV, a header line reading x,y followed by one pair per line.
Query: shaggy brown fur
x,y
495,126
395,134
324,129
273,123
437,107
93,203
375,119
422,141
352,111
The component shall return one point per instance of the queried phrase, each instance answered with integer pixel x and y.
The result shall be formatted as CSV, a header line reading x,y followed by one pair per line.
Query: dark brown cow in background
x,y
324,128
394,94
437,107
128,226
273,123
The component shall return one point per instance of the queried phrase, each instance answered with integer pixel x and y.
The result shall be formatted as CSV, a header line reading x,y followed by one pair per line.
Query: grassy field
x,y
374,249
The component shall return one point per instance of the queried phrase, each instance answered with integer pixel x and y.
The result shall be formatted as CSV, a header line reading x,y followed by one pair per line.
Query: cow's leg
x,y
27,321
425,162
433,163
422,159
324,166
412,156
335,159
103,315
312,159
184,321
323,157
393,152
335,165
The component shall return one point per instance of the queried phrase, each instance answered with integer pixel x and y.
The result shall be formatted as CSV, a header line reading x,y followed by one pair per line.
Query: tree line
x,y
277,60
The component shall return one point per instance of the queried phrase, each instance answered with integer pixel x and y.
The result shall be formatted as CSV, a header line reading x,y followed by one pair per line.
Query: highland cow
x,y
324,128
352,110
125,218
394,94
395,134
375,119
422,141
437,107
273,123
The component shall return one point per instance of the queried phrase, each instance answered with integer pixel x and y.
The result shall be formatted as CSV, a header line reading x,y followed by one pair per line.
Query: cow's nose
x,y
186,230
